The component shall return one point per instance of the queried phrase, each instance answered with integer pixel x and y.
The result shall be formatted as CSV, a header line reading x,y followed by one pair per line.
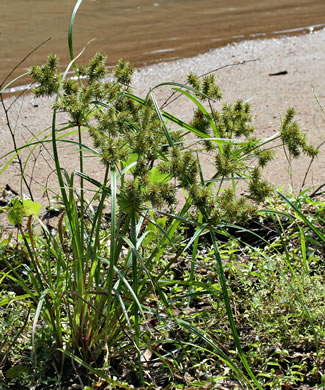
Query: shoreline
x,y
235,40
244,74
181,29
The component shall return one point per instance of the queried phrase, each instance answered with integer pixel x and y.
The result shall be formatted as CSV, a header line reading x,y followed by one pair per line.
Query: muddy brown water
x,y
145,31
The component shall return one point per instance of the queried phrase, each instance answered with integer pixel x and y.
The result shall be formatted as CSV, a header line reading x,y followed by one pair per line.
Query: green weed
x,y
118,289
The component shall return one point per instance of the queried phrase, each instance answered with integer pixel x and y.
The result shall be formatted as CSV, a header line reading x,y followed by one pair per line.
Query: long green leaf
x,y
112,254
7,300
204,112
12,81
171,117
215,348
229,311
166,131
70,33
94,371
37,314
181,88
301,215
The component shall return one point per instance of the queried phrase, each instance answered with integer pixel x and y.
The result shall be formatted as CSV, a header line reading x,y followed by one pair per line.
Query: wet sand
x,y
302,57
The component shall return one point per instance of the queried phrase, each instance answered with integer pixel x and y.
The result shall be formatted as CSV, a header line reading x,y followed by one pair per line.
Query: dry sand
x,y
302,57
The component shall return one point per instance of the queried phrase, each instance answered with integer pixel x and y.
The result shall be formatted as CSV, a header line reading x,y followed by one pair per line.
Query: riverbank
x,y
247,71
177,28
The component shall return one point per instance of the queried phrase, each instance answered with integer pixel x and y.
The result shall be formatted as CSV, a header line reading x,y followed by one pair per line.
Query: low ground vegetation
x,y
160,276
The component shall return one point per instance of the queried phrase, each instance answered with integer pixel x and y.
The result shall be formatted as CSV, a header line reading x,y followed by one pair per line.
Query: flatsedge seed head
x,y
194,81
70,87
215,92
209,87
123,72
238,107
311,151
52,62
35,72
82,70
175,152
258,187
96,68
256,174
264,157
290,114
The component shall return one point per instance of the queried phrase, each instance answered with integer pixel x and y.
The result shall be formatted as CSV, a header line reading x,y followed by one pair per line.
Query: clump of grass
x,y
124,284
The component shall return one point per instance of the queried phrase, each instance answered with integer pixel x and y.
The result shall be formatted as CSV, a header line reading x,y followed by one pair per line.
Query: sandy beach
x,y
244,74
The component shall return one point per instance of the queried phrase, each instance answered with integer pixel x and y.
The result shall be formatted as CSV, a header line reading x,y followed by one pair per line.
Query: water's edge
x,y
143,31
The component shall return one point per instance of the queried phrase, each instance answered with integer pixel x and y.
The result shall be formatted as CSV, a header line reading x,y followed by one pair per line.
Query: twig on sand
x,y
170,99
6,111
23,60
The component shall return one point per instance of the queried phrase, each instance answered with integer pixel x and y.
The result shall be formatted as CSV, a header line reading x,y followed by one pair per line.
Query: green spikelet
x,y
258,188
194,81
123,72
293,138
47,76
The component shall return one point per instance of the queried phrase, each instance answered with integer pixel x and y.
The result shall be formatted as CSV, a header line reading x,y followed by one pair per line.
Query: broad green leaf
x,y
152,230
156,176
16,371
16,212
31,208
131,158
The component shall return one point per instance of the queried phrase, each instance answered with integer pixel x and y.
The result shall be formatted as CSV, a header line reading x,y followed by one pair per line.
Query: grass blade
x,y
70,33
301,215
229,311
166,131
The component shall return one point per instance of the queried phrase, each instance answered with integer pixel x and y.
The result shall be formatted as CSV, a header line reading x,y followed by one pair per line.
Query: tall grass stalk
x,y
93,282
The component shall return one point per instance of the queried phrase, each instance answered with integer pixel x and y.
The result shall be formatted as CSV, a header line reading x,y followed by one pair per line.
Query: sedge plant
x,y
100,279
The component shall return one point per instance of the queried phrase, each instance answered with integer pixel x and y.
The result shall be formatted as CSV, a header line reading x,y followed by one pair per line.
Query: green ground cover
x,y
133,288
